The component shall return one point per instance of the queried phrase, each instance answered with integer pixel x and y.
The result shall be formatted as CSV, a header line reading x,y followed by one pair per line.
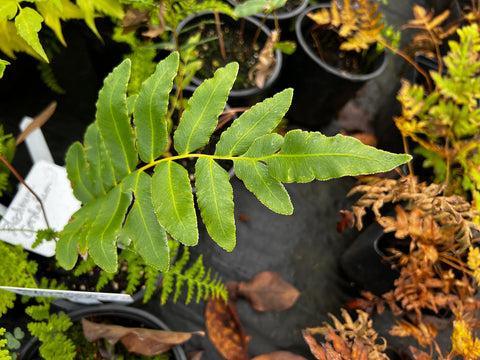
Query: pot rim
x,y
105,310
312,54
241,92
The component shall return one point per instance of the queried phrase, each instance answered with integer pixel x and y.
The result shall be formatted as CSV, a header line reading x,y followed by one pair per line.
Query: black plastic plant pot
x,y
241,94
285,16
115,314
320,89
363,262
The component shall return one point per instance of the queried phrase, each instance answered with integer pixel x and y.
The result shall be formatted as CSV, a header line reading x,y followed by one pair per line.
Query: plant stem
x,y
255,38
220,36
409,60
19,178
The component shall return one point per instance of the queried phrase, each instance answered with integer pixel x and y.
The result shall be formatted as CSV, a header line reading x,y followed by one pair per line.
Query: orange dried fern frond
x,y
358,22
347,339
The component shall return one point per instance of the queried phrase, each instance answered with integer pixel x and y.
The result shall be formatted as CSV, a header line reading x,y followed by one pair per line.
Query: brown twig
x,y
255,38
19,178
220,35
227,115
37,122
409,60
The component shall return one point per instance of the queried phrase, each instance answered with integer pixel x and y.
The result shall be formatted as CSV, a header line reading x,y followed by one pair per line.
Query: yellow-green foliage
x,y
4,353
446,122
16,270
7,150
20,24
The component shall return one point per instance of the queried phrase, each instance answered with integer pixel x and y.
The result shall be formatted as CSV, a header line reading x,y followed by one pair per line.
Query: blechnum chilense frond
x,y
129,190
196,278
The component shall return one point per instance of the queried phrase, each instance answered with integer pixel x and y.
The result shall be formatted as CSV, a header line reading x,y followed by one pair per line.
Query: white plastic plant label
x,y
81,297
24,215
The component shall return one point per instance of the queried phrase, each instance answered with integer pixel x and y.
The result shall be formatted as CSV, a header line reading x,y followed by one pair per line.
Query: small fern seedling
x,y
196,278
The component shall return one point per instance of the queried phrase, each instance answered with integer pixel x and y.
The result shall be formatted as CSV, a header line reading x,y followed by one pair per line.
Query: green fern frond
x,y
196,279
55,344
134,268
44,235
104,279
151,280
84,266
16,270
7,150
127,187
49,78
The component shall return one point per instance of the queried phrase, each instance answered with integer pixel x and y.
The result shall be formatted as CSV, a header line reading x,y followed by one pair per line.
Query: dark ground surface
x,y
304,248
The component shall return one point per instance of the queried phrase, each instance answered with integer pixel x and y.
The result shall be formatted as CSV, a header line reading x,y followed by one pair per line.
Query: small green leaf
x,y
142,226
215,200
28,23
173,202
76,161
151,110
206,104
286,47
114,123
259,120
258,180
102,237
307,156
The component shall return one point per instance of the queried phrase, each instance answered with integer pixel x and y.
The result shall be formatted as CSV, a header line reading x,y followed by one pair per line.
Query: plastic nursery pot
x,y
363,261
116,314
285,15
243,93
320,89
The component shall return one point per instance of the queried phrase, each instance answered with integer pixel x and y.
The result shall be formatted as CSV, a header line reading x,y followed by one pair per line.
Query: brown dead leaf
x,y
225,330
348,220
279,355
266,61
153,31
419,355
134,17
267,291
142,341
366,138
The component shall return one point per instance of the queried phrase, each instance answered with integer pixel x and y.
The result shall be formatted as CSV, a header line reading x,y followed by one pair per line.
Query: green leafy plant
x,y
129,189
7,151
20,25
13,341
445,122
50,330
